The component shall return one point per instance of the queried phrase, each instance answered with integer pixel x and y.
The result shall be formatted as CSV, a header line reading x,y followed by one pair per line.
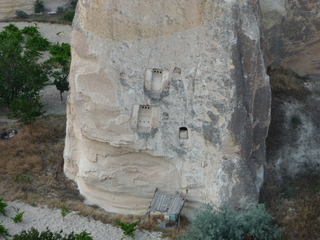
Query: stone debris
x,y
5,135
164,224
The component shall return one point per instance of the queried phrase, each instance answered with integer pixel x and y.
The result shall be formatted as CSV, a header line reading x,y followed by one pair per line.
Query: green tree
x,y
60,62
20,71
21,74
26,107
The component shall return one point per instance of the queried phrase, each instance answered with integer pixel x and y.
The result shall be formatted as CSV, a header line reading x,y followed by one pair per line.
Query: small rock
x,y
8,134
164,224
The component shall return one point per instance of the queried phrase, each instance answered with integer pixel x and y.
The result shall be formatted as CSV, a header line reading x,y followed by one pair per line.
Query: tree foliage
x,y
128,228
60,66
4,231
21,14
26,107
20,71
3,206
22,75
38,6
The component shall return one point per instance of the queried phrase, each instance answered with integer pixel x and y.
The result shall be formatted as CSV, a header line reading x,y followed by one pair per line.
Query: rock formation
x,y
293,139
9,7
292,34
167,94
292,42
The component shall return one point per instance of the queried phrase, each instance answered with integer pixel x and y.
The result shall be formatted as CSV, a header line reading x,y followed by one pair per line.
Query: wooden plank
x,y
159,202
176,204
164,203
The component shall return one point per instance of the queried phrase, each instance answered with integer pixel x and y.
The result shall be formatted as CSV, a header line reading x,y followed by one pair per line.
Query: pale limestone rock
x,y
9,7
167,94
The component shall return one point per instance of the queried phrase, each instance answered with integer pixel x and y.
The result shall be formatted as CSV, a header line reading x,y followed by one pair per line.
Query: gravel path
x,y
41,218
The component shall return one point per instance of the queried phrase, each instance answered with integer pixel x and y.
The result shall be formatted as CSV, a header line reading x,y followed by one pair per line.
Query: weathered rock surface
x,y
293,139
292,34
167,94
9,7
292,41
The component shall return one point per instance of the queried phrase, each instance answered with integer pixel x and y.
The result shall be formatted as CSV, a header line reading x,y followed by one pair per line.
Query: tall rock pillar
x,y
170,95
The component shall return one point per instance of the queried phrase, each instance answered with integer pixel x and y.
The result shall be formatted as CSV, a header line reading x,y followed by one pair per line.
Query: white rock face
x,y
9,7
167,94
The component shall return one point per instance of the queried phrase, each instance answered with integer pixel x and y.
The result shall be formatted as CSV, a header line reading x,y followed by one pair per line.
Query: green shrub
x,y
21,14
64,211
74,4
3,206
128,228
83,236
3,231
225,223
38,6
22,178
60,10
259,224
34,234
68,16
19,215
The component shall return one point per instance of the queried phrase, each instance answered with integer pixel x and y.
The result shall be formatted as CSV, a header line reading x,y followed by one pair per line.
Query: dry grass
x,y
287,83
28,152
31,170
295,202
295,206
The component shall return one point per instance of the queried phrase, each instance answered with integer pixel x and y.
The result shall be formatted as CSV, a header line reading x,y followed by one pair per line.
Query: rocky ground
x,y
41,218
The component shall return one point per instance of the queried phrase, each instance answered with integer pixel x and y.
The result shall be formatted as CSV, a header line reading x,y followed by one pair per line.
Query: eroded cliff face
x,y
292,34
292,42
9,7
170,95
